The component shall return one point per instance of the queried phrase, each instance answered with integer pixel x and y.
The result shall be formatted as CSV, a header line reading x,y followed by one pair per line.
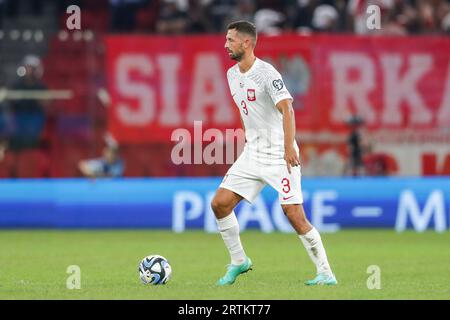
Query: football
x,y
155,270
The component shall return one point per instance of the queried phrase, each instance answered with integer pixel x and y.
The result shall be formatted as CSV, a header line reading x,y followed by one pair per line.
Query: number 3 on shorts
x,y
286,185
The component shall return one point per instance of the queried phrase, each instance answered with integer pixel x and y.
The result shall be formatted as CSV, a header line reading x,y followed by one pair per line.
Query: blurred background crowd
x,y
270,16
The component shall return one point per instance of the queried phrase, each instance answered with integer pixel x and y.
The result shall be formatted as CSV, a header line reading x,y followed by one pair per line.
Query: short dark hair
x,y
244,27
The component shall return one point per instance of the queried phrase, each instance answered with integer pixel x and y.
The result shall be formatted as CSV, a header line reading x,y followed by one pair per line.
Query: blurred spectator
x,y
401,17
30,6
23,122
219,11
2,12
27,113
109,165
341,7
432,15
303,19
320,15
198,19
123,14
355,165
6,123
445,24
398,17
269,21
171,19
325,18
3,147
244,10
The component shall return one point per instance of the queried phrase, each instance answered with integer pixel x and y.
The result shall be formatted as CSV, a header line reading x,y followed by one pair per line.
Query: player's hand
x,y
291,158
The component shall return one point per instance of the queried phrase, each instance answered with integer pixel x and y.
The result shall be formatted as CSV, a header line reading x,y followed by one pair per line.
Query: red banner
x,y
158,84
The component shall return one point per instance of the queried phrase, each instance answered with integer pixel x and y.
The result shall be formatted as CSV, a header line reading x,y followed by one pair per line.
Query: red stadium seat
x,y
7,165
69,156
33,164
133,160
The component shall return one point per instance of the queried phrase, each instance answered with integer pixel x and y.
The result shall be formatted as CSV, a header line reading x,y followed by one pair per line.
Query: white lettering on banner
x,y
398,89
408,206
168,66
180,211
444,111
207,74
256,211
279,218
346,90
189,205
319,210
354,82
127,88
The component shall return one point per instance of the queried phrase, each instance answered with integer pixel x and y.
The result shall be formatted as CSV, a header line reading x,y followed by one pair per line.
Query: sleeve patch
x,y
278,84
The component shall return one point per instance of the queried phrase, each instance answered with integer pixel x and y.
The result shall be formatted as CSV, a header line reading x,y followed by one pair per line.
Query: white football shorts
x,y
247,178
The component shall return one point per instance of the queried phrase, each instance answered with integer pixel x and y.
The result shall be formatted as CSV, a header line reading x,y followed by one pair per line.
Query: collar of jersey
x,y
249,70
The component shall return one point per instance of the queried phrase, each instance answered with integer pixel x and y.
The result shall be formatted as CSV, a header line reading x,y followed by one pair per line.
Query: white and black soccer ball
x,y
155,269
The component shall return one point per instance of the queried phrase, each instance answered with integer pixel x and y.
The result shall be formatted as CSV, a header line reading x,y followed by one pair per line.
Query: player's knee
x,y
218,205
215,205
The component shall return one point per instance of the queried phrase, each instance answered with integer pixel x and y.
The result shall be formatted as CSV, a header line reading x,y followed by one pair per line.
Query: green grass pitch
x,y
33,265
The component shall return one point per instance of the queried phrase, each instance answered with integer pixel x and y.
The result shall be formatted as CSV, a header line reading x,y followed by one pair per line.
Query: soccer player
x,y
270,155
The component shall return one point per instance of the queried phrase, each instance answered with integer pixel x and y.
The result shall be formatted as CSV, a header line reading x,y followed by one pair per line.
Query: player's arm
x,y
290,154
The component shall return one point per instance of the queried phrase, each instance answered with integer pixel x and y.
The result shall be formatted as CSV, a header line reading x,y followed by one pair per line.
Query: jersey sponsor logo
x,y
278,84
251,95
287,198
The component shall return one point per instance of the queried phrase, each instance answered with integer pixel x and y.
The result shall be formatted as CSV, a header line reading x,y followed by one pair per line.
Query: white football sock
x,y
313,245
229,230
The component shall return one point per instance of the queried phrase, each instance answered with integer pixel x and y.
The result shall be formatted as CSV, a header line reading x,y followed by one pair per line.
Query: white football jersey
x,y
256,92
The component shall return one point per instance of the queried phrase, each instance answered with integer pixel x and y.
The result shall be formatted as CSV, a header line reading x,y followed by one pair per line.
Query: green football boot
x,y
234,271
322,279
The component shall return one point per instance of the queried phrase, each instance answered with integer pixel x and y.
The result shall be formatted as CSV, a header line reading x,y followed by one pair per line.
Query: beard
x,y
237,56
